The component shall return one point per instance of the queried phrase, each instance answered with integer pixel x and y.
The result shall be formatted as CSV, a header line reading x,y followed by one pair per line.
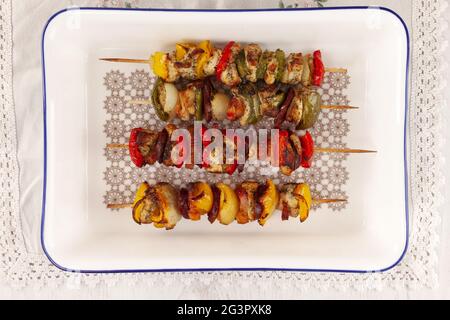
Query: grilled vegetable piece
x,y
311,109
289,159
281,62
303,194
241,64
142,146
229,204
200,200
159,64
214,212
262,66
198,105
204,57
219,106
281,116
140,214
268,198
224,59
159,99
246,193
307,144
307,74
319,69
158,206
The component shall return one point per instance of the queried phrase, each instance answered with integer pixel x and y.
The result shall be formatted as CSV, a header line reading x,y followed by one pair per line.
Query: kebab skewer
x,y
236,63
164,206
147,147
248,103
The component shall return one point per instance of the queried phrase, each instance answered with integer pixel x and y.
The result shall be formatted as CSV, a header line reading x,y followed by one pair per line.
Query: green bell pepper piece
x,y
159,109
311,110
281,59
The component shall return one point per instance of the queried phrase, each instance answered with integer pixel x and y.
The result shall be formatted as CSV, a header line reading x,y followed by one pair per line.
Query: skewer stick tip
x,y
331,107
140,102
117,146
333,150
322,201
119,205
336,70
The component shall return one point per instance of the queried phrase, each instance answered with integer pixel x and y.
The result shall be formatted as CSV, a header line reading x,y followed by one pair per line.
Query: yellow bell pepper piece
x,y
269,202
140,194
204,57
159,65
203,202
180,51
303,195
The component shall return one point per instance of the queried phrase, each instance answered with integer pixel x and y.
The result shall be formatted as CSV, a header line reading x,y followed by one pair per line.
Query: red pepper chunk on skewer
x,y
133,146
224,59
294,151
319,69
307,143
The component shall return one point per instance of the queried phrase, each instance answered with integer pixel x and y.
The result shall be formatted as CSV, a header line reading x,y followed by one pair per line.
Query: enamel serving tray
x,y
78,232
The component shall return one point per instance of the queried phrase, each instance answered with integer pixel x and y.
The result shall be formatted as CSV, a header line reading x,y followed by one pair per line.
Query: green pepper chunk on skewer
x,y
159,109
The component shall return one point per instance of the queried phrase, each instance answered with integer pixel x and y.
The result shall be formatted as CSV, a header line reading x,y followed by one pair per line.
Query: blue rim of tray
x,y
231,268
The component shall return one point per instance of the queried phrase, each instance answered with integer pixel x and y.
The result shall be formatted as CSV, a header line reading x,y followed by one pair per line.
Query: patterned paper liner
x,y
327,177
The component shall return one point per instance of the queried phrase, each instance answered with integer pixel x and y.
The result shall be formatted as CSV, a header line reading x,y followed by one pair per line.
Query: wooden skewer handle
x,y
120,206
123,60
336,70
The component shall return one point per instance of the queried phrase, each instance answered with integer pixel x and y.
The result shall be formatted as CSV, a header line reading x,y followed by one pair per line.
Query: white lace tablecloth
x,y
22,264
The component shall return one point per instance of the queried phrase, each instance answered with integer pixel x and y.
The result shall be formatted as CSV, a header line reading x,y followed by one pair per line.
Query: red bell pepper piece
x,y
231,168
307,150
319,69
224,59
133,147
178,162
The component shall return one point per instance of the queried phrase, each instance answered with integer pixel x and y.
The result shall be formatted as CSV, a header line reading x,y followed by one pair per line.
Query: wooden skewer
x,y
123,60
330,107
322,150
117,146
321,201
336,70
126,60
338,107
120,206
333,150
130,205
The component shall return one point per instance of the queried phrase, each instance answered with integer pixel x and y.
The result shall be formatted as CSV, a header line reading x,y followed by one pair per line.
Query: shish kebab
x,y
148,147
236,63
208,100
164,206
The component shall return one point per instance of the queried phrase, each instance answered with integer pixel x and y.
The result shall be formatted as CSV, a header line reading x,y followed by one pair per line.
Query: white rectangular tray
x,y
80,234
